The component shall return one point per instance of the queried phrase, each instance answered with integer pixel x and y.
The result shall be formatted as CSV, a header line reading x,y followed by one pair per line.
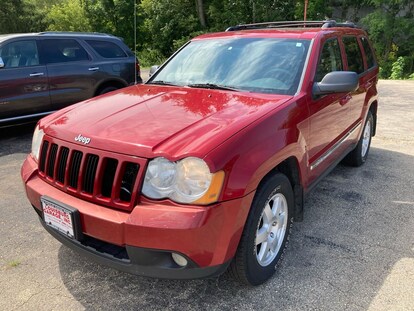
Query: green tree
x,y
20,16
68,16
391,27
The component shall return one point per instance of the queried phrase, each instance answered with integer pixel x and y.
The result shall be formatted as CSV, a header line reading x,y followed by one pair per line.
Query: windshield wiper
x,y
213,86
160,82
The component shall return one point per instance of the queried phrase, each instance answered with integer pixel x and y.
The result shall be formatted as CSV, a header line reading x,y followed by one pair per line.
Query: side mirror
x,y
337,82
153,70
1,62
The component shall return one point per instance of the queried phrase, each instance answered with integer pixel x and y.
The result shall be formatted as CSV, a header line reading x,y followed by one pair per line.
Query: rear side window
x,y
330,59
353,54
20,54
106,49
63,51
368,52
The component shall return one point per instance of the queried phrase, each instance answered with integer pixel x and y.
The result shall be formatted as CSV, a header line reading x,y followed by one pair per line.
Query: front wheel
x,y
359,155
266,232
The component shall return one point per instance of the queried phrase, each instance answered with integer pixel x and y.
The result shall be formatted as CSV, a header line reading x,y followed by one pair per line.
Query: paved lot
x,y
354,251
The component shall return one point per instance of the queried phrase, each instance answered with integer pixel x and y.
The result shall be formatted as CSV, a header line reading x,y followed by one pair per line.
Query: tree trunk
x,y
201,14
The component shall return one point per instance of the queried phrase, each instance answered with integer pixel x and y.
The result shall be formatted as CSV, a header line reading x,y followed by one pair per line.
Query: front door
x,y
329,113
24,87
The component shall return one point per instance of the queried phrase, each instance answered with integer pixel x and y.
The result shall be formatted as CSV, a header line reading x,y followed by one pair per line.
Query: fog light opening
x,y
179,260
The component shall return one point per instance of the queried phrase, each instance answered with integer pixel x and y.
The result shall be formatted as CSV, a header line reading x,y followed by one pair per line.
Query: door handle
x,y
36,74
93,68
367,85
345,100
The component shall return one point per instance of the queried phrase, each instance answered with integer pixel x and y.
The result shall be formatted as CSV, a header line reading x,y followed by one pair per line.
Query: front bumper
x,y
206,236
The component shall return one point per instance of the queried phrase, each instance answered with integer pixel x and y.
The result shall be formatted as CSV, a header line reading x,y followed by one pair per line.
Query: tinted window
x,y
63,50
353,54
20,54
368,52
106,49
264,65
330,59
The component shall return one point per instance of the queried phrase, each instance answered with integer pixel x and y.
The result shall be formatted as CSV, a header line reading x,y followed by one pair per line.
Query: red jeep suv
x,y
204,168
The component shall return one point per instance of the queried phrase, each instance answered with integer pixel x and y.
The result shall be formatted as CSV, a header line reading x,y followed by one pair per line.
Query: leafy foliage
x,y
165,25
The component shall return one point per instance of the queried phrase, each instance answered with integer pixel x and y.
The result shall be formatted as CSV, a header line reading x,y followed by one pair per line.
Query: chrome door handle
x,y
36,74
93,68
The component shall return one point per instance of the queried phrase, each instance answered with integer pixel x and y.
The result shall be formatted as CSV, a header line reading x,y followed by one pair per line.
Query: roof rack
x,y
75,33
292,24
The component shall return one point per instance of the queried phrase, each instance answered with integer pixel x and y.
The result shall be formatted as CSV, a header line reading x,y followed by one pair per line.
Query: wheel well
x,y
373,108
106,84
290,168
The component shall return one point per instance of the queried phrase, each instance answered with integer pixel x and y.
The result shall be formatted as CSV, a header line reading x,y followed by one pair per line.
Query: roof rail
x,y
292,24
75,33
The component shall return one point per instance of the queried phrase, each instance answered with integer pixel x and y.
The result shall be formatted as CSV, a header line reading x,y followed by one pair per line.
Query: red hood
x,y
148,120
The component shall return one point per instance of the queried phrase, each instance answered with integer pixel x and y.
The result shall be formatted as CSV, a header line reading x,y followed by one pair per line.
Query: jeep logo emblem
x,y
83,139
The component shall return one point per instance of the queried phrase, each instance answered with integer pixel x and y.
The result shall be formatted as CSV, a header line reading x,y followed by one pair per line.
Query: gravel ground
x,y
354,250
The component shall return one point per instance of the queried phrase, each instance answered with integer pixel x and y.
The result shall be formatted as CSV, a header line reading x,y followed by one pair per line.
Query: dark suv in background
x,y
43,72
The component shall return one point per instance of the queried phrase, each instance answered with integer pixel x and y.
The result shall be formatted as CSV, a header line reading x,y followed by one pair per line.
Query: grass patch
x,y
14,263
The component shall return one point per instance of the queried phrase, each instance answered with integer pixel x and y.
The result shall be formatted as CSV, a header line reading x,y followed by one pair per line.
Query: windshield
x,y
263,65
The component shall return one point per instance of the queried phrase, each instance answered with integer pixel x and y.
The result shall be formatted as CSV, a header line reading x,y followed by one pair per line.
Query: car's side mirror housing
x,y
337,82
153,70
1,62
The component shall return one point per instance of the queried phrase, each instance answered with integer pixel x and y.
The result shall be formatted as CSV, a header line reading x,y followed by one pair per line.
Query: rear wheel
x,y
266,232
359,155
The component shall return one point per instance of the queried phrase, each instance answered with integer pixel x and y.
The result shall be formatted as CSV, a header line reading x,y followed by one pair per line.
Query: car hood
x,y
148,120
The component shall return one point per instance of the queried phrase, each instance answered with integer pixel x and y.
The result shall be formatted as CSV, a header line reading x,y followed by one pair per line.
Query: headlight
x,y
36,142
186,181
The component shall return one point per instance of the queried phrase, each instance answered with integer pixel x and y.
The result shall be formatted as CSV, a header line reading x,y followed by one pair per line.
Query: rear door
x,y
72,75
355,62
23,81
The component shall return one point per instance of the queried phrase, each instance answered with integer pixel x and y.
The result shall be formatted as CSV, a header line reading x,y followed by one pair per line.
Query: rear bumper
x,y
206,236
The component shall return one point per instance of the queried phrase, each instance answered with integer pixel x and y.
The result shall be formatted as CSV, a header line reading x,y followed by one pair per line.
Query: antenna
x,y
135,41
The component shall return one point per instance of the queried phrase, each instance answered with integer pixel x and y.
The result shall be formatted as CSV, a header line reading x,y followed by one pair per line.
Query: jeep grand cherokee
x,y
205,166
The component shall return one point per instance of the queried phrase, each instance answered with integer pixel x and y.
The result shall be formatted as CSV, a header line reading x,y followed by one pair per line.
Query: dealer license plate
x,y
58,217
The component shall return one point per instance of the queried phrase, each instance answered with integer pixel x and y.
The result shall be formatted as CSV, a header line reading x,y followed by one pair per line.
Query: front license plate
x,y
58,217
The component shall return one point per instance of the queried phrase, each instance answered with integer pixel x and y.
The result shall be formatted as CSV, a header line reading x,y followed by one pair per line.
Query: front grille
x,y
102,177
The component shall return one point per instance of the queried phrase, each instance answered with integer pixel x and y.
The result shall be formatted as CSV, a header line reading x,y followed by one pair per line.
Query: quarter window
x,y
353,54
20,54
63,51
330,59
368,52
106,49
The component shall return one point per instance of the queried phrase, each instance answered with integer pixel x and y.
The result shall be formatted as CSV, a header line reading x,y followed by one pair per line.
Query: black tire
x,y
359,154
107,90
246,266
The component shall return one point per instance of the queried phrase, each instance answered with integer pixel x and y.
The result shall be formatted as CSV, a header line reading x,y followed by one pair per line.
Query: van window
x,y
353,54
106,49
20,54
63,51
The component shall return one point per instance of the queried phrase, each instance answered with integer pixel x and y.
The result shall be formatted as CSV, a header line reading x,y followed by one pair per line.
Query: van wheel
x,y
107,90
266,232
359,155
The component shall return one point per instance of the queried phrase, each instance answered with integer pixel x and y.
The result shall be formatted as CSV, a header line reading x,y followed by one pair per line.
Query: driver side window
x,y
20,54
330,59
